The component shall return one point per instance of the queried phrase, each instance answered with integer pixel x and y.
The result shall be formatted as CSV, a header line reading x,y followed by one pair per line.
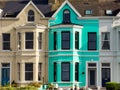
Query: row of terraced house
x,y
64,42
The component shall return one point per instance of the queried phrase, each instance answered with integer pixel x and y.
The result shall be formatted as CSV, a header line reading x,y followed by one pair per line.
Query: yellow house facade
x,y
23,47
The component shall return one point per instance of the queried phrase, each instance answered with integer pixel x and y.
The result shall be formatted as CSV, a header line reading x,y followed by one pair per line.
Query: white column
x,y
35,72
22,72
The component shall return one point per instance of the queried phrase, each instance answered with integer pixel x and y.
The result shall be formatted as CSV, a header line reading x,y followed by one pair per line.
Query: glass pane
x,y
106,64
6,37
65,45
6,45
106,45
65,40
5,65
29,45
92,46
92,64
66,16
91,36
29,36
28,75
65,71
29,67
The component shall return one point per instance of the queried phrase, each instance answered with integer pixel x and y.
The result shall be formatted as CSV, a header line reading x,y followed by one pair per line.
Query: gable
x,y
58,15
29,6
70,7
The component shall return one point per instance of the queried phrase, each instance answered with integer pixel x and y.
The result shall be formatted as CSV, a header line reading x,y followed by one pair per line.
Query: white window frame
x,y
102,41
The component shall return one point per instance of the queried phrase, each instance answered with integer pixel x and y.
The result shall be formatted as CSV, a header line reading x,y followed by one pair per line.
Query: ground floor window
x,y
76,71
65,71
39,71
19,71
28,71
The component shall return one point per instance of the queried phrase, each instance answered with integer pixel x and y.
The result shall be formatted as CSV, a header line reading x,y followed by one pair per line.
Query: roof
x,y
13,8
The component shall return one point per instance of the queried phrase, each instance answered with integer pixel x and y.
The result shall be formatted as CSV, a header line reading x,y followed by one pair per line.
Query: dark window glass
x,y
76,40
29,40
55,72
65,40
28,71
19,40
65,69
39,71
66,17
31,15
55,41
76,71
40,41
92,44
6,41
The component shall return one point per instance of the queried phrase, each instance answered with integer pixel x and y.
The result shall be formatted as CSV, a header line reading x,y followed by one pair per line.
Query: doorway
x,y
5,76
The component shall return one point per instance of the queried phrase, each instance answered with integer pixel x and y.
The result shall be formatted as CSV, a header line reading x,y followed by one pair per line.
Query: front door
x,y
105,76
5,78
92,77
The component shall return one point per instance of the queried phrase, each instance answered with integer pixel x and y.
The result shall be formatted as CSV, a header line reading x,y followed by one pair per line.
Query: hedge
x,y
112,86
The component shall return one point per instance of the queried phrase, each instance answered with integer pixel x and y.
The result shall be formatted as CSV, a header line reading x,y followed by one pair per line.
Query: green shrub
x,y
35,84
112,86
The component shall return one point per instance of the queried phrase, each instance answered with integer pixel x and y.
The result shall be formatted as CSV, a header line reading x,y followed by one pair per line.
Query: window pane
x,y
92,44
28,71
55,41
55,72
29,35
66,17
76,71
76,40
65,71
66,40
6,41
29,40
19,40
29,67
105,41
40,41
30,15
39,71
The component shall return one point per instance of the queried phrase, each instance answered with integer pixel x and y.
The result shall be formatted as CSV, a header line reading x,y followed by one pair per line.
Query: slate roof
x,y
12,8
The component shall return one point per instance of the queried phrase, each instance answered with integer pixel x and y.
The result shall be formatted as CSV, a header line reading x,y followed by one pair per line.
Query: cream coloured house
x,y
23,56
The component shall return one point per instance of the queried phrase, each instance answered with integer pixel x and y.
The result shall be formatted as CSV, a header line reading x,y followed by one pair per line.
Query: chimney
x,y
53,1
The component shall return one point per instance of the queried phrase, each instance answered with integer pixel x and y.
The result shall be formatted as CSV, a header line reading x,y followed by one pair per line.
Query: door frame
x,y
1,71
87,81
101,71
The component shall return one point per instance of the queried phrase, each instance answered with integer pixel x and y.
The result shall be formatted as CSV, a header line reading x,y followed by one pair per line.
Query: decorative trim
x,y
34,7
66,26
66,2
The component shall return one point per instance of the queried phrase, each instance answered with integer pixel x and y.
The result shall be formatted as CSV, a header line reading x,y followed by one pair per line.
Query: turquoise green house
x,y
73,48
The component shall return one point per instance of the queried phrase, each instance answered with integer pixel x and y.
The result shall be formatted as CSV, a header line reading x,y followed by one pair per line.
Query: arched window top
x,y
66,16
31,16
66,11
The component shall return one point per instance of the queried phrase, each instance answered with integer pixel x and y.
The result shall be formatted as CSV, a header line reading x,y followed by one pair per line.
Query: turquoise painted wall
x,y
82,55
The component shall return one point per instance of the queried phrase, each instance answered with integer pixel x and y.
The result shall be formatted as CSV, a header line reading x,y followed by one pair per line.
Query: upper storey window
x,y
31,16
65,40
92,41
6,41
66,16
88,12
29,36
105,40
